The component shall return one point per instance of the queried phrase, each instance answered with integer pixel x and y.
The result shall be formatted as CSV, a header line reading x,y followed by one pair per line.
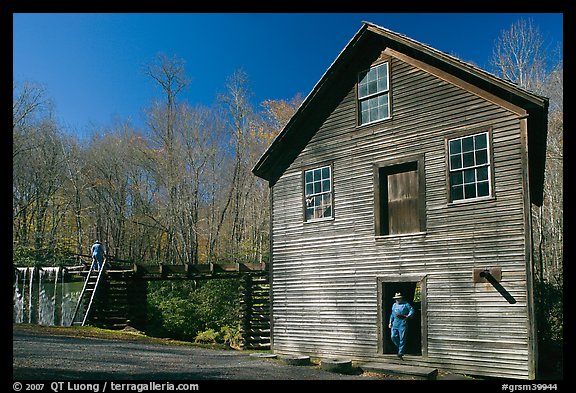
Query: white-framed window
x,y
469,167
374,94
318,193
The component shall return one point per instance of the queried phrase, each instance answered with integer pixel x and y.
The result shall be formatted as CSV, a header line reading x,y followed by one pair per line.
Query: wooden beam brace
x,y
457,82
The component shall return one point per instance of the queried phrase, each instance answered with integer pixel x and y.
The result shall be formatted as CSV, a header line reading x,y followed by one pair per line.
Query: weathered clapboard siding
x,y
324,275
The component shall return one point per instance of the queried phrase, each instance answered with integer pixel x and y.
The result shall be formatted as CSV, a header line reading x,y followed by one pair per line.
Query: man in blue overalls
x,y
97,251
401,311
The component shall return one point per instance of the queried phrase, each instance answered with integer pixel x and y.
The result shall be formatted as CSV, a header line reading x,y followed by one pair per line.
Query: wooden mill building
x,y
406,169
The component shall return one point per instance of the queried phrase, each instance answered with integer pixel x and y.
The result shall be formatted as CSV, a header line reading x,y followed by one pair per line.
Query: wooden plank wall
x,y
121,301
255,306
324,274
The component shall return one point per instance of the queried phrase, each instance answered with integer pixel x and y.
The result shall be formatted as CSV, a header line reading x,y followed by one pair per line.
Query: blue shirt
x,y
404,309
97,250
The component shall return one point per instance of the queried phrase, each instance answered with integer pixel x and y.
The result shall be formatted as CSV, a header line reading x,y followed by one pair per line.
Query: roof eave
x,y
455,62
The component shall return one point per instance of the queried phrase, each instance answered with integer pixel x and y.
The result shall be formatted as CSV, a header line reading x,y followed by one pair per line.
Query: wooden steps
x,y
416,372
85,302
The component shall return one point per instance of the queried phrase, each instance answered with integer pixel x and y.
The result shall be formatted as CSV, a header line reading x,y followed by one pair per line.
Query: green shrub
x,y
206,337
183,309
232,336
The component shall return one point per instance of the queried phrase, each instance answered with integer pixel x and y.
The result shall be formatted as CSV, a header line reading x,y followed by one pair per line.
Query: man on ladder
x,y
98,253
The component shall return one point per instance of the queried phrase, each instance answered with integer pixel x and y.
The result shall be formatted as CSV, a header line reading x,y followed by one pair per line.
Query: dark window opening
x,y
399,199
412,292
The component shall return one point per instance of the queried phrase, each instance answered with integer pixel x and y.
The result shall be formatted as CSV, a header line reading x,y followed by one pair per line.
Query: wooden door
x,y
403,216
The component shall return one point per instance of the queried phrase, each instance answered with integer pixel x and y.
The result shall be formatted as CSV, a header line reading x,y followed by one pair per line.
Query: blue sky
x,y
90,64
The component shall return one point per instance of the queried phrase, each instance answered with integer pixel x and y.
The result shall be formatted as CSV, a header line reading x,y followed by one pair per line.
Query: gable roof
x,y
328,90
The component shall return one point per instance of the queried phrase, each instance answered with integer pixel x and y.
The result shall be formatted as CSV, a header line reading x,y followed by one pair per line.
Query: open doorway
x,y
413,290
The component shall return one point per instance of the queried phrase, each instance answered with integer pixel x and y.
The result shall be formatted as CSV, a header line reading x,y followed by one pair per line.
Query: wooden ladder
x,y
86,298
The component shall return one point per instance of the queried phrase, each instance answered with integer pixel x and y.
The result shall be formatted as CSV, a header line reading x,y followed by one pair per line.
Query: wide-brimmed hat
x,y
397,296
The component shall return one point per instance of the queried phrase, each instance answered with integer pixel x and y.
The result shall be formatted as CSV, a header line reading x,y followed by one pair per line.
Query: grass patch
x,y
121,335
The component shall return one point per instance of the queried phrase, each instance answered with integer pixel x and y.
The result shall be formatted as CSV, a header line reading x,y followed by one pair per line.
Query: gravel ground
x,y
39,355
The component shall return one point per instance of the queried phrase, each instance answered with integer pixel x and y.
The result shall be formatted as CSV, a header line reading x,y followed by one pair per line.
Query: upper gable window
x,y
469,164
374,94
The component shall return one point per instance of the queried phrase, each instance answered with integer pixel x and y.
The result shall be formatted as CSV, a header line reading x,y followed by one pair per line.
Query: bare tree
x,y
75,185
240,115
29,106
549,218
520,56
37,178
169,74
198,136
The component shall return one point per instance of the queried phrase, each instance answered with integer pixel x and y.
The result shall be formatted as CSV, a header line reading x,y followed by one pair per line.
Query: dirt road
x,y
39,355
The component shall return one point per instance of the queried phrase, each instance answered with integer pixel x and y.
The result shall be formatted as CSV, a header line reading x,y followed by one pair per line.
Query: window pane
x,y
455,146
372,87
373,114
469,191
480,141
365,106
483,189
309,213
318,201
317,174
467,144
469,176
457,193
363,84
383,77
383,100
372,74
456,162
308,176
325,185
383,112
326,200
456,178
365,118
383,106
468,159
482,173
317,187
326,173
481,157
362,90
309,189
